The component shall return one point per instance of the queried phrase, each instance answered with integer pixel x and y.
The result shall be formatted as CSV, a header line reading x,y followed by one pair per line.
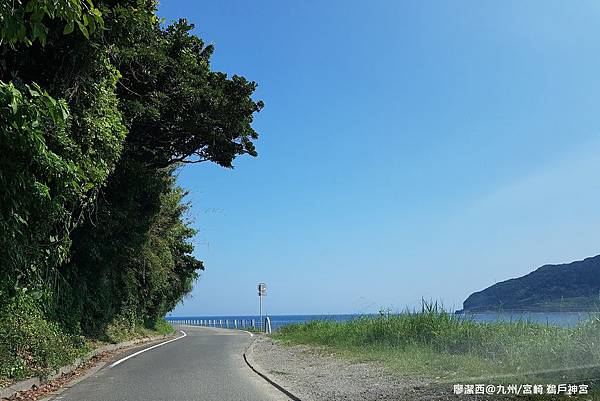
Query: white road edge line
x,y
246,331
148,349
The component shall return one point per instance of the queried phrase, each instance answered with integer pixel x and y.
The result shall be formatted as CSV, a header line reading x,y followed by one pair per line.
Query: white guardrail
x,y
240,324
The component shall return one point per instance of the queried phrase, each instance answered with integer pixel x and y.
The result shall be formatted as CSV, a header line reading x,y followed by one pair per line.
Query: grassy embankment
x,y
450,348
32,345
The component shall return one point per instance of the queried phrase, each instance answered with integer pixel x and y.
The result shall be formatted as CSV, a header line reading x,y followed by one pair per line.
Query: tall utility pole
x,y
262,291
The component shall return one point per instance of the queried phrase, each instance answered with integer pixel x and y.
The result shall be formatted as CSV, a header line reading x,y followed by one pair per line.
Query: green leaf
x,y
69,28
14,105
64,111
83,30
33,92
92,25
20,219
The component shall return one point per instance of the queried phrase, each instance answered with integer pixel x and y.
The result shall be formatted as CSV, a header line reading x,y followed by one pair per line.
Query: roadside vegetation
x,y
33,345
101,104
450,348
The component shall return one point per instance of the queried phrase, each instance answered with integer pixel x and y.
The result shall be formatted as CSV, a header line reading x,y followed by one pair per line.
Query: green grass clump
x,y
445,346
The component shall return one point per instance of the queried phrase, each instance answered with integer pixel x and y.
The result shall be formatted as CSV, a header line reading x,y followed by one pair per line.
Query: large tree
x,y
177,112
100,104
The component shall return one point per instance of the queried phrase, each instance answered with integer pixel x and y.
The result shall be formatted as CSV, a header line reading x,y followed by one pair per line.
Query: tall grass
x,y
459,346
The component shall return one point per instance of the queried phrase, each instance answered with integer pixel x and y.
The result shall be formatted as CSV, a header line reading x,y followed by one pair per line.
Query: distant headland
x,y
569,287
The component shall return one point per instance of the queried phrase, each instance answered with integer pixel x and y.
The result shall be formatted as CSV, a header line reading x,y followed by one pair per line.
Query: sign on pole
x,y
262,291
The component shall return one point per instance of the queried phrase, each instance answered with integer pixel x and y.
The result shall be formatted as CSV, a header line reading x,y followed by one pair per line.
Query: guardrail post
x,y
268,325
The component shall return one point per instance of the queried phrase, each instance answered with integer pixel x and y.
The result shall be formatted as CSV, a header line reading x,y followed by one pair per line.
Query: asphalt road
x,y
205,365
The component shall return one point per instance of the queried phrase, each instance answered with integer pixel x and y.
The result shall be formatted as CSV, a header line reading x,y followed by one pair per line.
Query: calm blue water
x,y
277,321
564,319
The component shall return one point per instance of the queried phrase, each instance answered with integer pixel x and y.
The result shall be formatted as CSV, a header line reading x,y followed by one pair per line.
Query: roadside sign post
x,y
262,291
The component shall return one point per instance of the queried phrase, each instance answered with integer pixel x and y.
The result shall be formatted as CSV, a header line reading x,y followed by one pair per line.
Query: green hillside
x,y
565,287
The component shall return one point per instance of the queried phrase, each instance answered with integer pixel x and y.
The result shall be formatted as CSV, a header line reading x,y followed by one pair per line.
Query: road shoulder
x,y
312,374
46,388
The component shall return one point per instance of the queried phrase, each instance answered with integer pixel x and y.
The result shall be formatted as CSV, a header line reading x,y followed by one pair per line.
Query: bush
x,y
126,327
161,326
32,345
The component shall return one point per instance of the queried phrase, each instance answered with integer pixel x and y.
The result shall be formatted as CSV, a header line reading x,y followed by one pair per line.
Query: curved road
x,y
205,365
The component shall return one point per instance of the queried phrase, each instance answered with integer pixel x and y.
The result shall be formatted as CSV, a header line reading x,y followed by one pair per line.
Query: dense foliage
x,y
100,105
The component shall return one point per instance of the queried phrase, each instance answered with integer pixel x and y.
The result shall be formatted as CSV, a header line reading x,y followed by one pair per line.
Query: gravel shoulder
x,y
312,374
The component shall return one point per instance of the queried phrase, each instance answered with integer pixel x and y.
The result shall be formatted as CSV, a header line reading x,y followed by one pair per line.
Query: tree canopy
x,y
100,105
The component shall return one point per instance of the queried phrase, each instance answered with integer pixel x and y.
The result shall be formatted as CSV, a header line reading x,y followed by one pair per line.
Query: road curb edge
x,y
252,365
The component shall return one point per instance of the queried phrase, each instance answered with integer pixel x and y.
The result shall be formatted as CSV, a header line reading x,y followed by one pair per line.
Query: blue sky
x,y
407,149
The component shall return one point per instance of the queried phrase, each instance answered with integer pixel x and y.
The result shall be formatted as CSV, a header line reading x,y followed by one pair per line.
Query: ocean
x,y
565,319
